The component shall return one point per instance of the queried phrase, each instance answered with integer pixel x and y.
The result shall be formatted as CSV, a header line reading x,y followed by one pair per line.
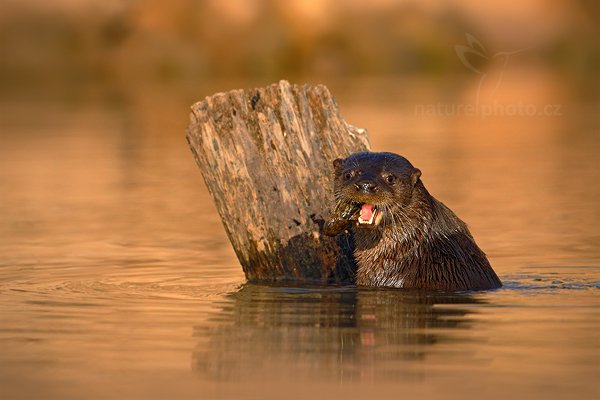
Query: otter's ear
x,y
414,177
338,165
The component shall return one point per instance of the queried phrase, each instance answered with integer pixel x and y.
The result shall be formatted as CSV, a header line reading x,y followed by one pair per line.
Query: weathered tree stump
x,y
265,155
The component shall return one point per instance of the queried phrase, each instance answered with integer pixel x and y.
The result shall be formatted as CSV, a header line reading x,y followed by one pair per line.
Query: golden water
x,y
117,279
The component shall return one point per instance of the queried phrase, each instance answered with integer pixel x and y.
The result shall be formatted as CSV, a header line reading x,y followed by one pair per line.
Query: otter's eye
x,y
390,178
348,175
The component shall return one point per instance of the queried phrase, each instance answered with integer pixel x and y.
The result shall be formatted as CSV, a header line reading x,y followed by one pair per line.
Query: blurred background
x,y
72,42
95,96
119,52
117,275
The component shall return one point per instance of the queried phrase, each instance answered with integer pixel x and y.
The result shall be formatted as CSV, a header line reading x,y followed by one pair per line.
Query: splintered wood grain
x,y
265,155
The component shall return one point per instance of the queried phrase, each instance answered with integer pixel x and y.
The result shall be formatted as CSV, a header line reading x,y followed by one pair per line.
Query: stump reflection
x,y
345,333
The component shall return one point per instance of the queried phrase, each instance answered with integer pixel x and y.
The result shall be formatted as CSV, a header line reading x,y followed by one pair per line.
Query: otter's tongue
x,y
366,212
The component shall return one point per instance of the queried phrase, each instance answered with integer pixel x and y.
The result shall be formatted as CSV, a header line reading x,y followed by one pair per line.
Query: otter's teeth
x,y
378,217
369,211
369,222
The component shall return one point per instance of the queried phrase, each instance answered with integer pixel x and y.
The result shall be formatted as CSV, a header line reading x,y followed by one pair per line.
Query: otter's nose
x,y
365,187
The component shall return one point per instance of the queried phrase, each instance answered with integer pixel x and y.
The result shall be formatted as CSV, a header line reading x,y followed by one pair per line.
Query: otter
x,y
403,236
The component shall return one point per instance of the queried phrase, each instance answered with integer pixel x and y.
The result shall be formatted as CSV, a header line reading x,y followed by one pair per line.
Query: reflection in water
x,y
345,333
112,255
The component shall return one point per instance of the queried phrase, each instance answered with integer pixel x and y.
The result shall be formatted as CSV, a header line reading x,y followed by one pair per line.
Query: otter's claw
x,y
340,218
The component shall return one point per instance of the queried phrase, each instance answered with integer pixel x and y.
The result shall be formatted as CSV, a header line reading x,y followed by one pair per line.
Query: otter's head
x,y
381,184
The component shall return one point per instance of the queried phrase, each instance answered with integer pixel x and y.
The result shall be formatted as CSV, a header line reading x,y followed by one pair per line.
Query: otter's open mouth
x,y
369,215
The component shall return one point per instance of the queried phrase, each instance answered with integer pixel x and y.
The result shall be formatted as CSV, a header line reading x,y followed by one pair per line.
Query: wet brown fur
x,y
420,243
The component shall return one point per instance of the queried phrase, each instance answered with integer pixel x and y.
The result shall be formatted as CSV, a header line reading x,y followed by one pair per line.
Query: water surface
x,y
117,279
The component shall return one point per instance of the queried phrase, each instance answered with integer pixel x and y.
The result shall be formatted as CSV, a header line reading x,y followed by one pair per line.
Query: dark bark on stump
x,y
265,155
